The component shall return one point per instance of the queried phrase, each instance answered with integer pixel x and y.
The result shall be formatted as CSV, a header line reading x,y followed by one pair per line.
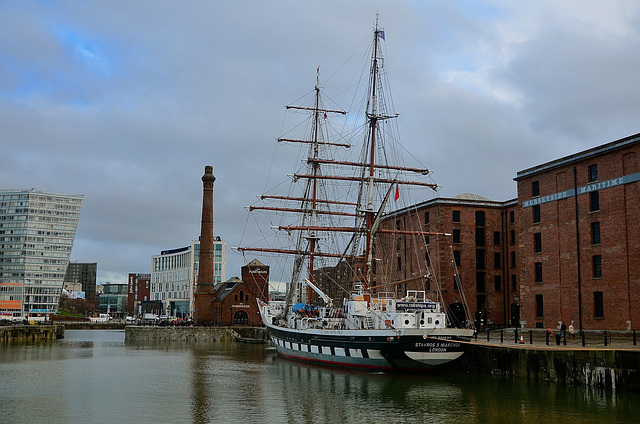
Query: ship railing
x,y
416,296
385,295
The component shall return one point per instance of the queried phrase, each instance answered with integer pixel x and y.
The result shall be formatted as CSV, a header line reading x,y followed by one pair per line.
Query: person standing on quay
x,y
571,330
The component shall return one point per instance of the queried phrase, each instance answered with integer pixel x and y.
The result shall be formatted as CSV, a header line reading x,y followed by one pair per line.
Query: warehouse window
x,y
594,201
480,218
537,243
598,305
456,257
536,214
538,272
593,173
539,306
456,216
595,233
597,266
480,263
480,237
535,189
480,276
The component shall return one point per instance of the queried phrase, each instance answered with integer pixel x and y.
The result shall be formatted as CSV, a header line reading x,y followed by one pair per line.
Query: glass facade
x,y
175,272
37,230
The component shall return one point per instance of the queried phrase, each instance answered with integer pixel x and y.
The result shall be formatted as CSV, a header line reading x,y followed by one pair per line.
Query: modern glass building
x,y
113,300
174,273
37,230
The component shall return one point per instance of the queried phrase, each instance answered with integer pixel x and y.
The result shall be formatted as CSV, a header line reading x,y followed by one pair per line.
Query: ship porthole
x,y
406,322
421,322
437,321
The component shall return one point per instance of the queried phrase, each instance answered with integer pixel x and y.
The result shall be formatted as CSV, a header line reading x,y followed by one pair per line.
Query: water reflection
x,y
200,386
330,395
95,377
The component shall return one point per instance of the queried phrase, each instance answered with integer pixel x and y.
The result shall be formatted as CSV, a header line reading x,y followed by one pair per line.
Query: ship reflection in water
x,y
96,377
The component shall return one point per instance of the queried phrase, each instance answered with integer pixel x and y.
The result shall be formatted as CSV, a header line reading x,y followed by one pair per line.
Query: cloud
x,y
126,102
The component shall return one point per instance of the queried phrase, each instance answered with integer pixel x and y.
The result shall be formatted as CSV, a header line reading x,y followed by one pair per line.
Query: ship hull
x,y
381,350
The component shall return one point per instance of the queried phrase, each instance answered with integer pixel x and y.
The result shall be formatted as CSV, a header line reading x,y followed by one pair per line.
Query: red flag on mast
x,y
397,195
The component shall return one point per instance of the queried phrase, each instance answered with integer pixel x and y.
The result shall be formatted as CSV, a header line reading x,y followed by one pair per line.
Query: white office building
x,y
37,230
174,274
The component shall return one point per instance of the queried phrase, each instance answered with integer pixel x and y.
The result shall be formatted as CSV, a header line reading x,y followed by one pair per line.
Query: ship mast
x,y
373,123
315,207
312,236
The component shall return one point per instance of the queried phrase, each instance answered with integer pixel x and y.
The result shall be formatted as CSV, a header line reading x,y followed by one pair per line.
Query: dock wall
x,y
14,334
602,368
187,334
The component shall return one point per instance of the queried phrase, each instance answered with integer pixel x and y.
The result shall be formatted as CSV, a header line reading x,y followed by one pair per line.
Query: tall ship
x,y
346,304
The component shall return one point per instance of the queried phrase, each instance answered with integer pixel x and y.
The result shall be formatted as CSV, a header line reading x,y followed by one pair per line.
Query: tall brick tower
x,y
205,294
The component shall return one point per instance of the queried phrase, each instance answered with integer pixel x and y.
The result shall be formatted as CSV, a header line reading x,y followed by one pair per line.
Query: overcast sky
x,y
125,102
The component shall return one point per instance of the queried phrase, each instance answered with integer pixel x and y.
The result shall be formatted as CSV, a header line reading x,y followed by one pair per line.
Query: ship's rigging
x,y
326,225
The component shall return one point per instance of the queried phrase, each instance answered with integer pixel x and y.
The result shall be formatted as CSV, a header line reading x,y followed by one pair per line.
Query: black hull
x,y
379,350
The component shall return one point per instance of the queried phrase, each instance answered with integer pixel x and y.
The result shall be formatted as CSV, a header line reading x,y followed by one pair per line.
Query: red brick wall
x,y
492,299
619,248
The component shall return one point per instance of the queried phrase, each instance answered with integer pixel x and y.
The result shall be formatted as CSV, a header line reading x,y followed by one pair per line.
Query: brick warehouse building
x,y
589,272
235,300
478,252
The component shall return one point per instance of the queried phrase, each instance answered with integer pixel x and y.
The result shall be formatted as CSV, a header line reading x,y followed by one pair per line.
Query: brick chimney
x,y
205,293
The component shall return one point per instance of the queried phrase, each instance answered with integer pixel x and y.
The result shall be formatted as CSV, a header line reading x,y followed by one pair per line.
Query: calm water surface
x,y
95,377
